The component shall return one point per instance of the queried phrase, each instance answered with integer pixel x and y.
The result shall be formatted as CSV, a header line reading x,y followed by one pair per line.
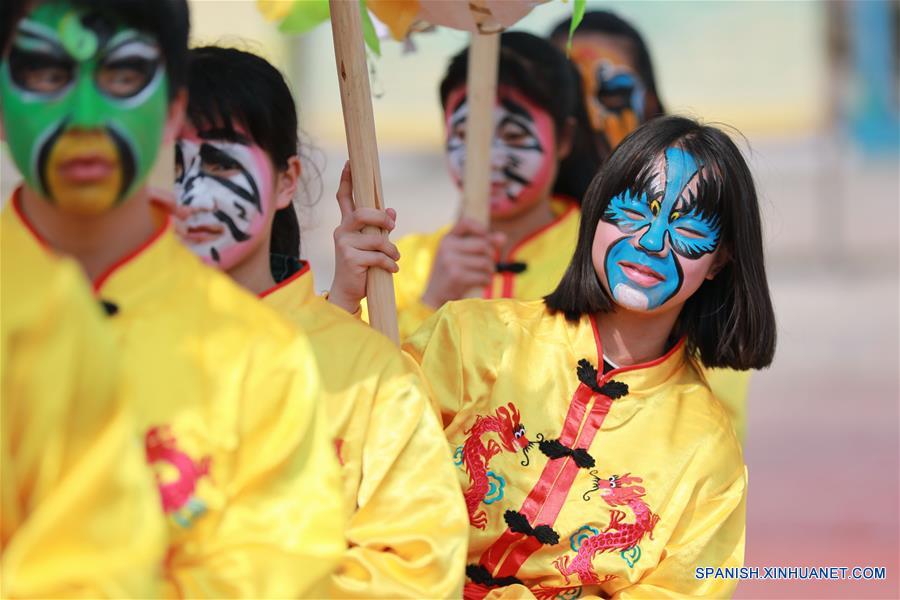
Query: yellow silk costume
x,y
407,523
545,255
579,484
225,394
79,513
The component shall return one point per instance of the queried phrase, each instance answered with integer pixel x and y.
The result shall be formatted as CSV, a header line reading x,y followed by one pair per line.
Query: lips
x,y
86,169
198,234
641,275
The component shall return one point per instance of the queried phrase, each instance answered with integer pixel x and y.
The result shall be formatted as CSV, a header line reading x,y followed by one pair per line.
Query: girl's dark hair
x,y
168,21
608,23
228,86
729,320
545,76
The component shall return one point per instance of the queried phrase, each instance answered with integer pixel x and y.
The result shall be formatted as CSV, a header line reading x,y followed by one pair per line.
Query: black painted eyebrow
x,y
516,109
57,49
223,133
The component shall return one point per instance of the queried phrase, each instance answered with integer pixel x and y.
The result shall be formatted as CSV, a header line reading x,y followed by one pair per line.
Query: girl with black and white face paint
x,y
542,159
235,181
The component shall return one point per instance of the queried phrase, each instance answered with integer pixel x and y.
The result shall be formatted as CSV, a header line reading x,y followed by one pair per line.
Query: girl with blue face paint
x,y
602,384
660,236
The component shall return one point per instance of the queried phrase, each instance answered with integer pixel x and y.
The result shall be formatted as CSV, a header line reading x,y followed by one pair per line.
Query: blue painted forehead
x,y
680,168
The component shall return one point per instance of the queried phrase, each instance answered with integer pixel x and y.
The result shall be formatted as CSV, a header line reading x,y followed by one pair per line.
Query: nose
x,y
87,109
194,194
653,241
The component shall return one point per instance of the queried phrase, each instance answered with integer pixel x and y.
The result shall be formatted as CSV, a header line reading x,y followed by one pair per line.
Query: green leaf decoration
x,y
578,8
305,16
368,28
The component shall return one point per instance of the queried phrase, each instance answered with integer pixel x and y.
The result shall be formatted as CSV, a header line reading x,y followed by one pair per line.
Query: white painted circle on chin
x,y
631,298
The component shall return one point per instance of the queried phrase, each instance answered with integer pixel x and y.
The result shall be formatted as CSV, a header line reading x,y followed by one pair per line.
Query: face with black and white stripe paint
x,y
224,190
523,150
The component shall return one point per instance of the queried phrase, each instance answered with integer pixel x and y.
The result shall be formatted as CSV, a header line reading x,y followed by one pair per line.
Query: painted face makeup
x,y
224,191
614,94
523,150
654,244
84,106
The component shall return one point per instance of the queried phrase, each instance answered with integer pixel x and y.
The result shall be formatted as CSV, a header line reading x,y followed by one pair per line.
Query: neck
x,y
630,338
96,242
254,273
519,227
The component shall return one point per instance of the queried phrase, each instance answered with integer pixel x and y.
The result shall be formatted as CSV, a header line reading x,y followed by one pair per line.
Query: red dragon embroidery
x,y
616,491
476,456
178,495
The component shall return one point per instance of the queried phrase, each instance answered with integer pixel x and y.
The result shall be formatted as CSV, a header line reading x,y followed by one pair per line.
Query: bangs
x,y
632,167
214,105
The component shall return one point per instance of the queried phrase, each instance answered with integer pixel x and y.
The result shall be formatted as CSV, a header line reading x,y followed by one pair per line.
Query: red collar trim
x,y
573,206
652,363
99,281
303,271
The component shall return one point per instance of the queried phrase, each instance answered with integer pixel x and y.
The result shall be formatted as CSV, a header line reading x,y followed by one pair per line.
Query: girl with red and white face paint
x,y
542,159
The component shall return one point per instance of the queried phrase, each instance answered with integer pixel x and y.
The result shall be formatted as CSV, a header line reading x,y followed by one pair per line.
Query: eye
x,y
654,207
179,163
689,233
126,77
513,134
40,73
633,214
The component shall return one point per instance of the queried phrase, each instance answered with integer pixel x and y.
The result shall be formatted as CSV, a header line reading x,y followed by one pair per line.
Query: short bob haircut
x,y
729,321
168,21
228,87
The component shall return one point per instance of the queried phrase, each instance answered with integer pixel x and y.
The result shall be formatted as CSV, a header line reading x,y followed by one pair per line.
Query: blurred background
x,y
813,88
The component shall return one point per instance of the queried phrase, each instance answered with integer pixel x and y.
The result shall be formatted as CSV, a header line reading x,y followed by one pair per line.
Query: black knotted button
x,y
511,267
110,308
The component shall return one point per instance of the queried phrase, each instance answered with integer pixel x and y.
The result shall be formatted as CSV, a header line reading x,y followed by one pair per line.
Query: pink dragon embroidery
x,y
616,491
177,496
476,456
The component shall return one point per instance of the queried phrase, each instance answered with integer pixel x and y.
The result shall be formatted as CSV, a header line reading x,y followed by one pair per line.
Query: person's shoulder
x,y
221,302
331,326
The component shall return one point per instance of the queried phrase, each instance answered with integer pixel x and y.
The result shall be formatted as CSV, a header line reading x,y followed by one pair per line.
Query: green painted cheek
x,y
28,122
141,127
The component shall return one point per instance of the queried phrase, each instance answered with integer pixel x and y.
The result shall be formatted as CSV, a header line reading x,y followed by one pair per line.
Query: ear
x,y
566,139
175,117
286,182
723,257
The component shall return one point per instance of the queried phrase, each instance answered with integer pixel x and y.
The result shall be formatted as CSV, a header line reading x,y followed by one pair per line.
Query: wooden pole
x,y
359,125
481,94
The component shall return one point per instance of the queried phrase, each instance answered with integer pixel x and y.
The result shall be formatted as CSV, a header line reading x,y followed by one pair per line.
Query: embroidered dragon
x,y
178,496
506,423
618,535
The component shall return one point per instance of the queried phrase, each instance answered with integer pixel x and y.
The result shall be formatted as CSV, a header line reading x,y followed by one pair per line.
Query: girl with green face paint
x,y
85,102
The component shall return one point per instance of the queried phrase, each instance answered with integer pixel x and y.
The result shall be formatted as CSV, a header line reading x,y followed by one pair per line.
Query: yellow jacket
x,y
79,513
576,485
225,395
407,521
545,255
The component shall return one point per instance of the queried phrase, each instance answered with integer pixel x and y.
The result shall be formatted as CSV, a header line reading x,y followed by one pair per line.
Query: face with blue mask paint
x,y
654,246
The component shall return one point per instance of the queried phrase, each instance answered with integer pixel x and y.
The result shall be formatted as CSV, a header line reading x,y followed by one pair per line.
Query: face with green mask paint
x,y
84,102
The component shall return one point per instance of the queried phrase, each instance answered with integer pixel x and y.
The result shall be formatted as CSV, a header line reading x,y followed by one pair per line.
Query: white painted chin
x,y
631,298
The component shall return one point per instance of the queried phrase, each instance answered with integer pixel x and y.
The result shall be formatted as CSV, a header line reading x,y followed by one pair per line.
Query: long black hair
x,y
611,24
229,86
543,74
729,321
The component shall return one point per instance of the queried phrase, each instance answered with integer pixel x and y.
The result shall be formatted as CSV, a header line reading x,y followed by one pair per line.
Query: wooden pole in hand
x,y
359,125
481,94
